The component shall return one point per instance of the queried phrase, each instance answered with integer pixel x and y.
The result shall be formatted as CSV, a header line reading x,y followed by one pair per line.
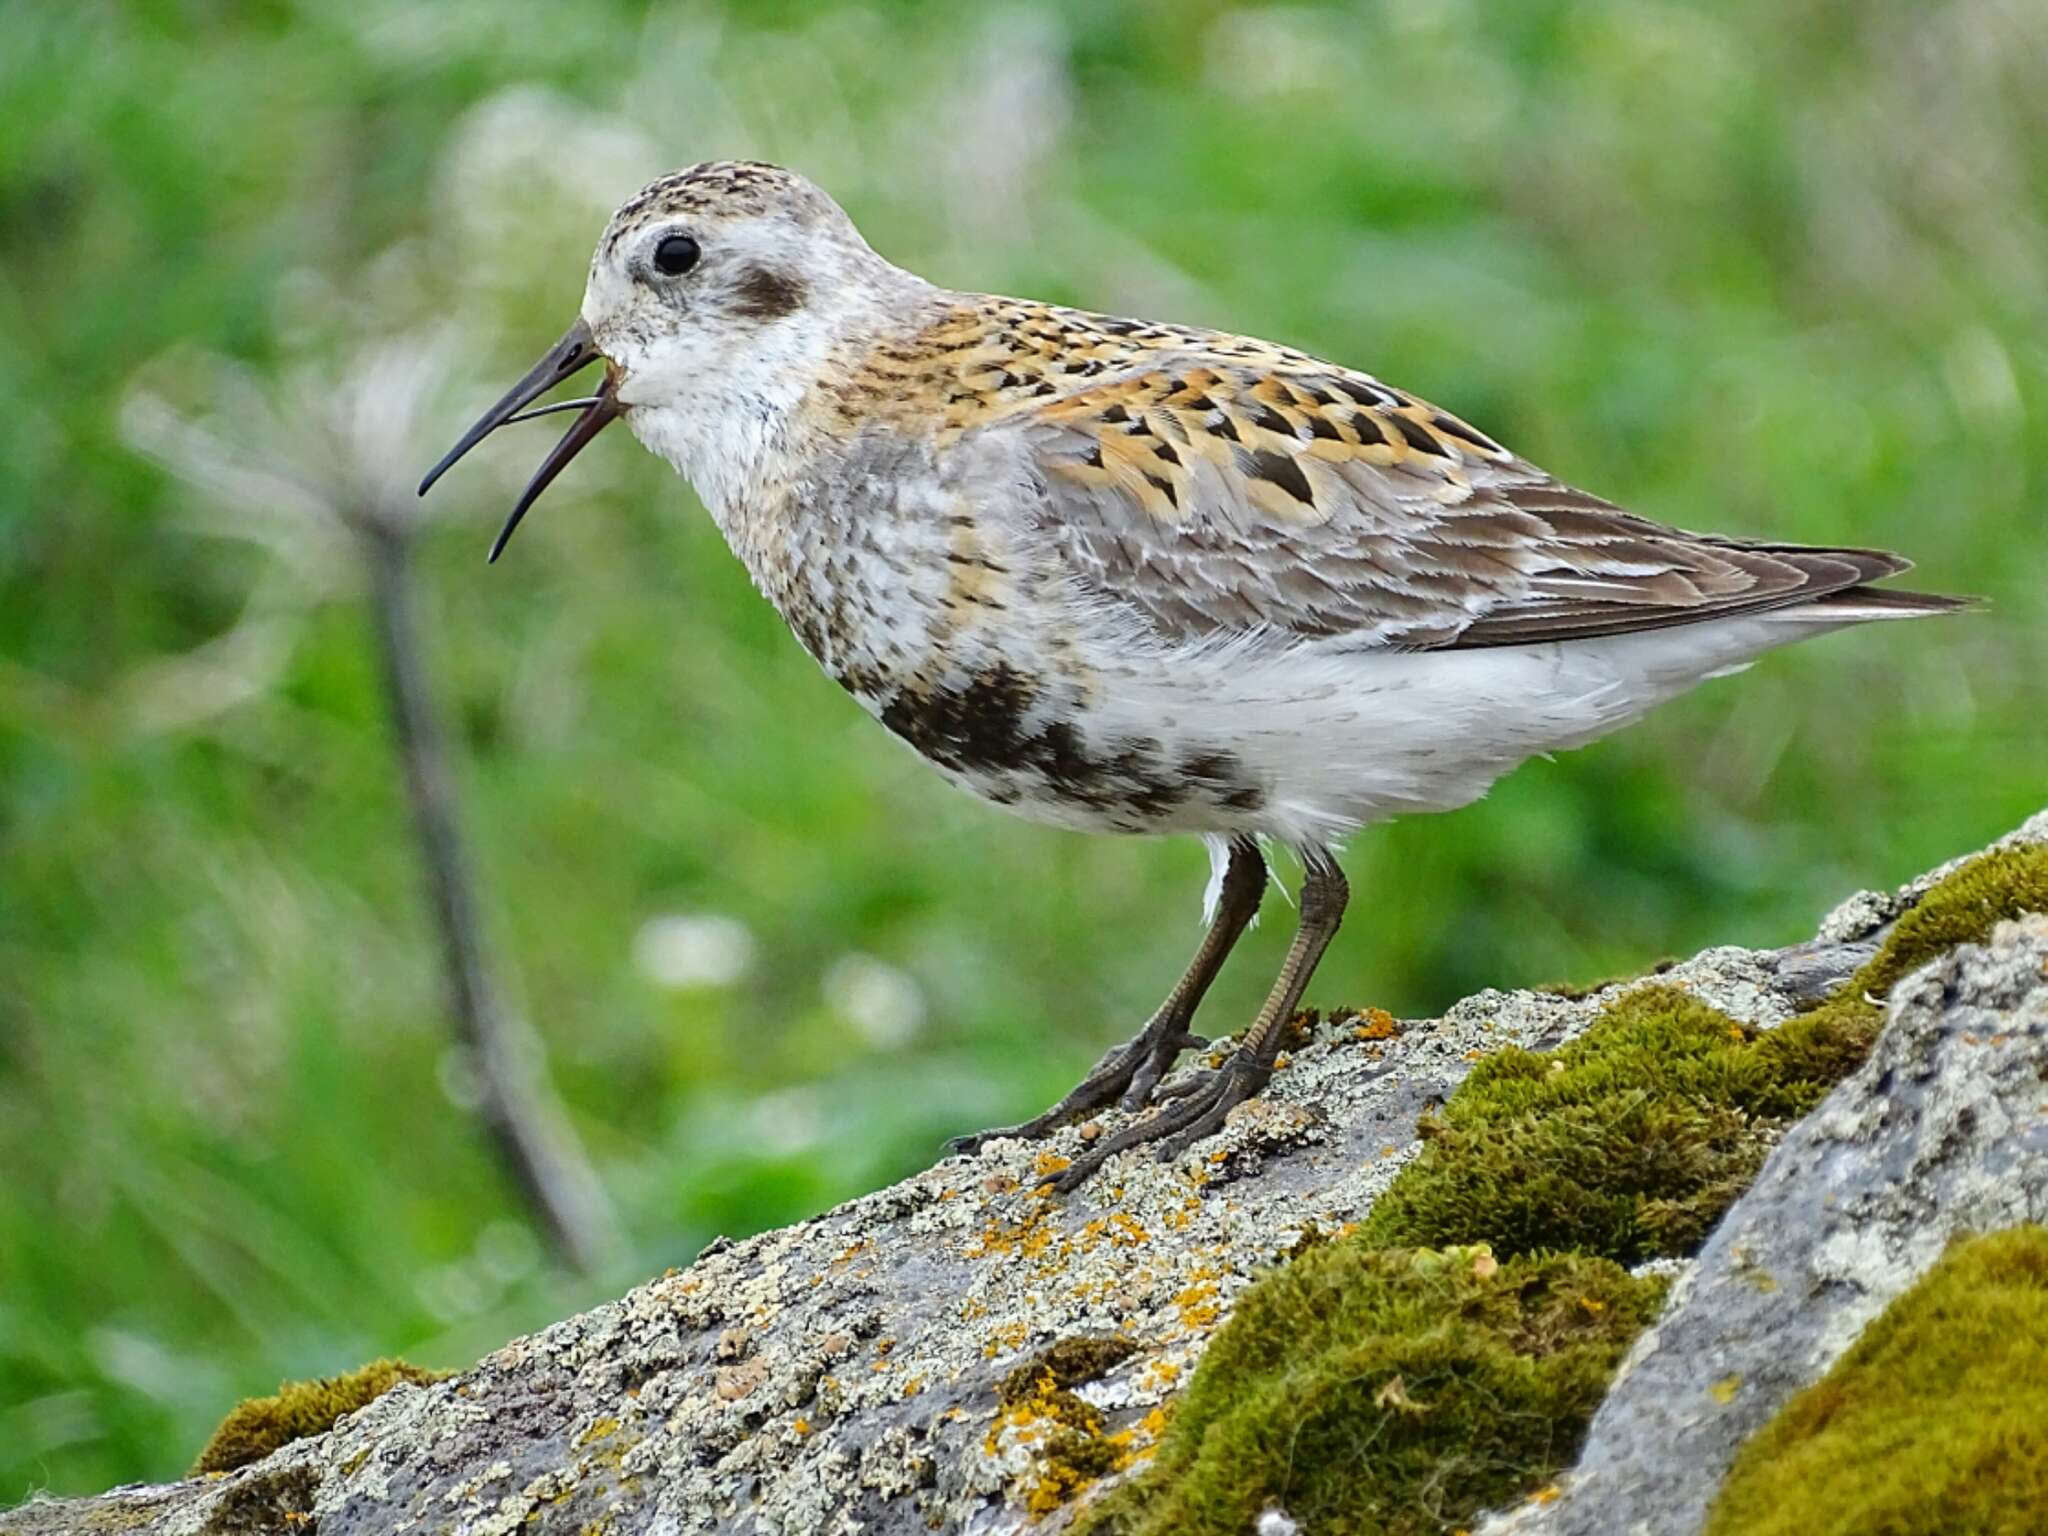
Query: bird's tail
x,y
1853,604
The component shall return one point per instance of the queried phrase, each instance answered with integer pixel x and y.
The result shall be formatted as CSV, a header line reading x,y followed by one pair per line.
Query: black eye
x,y
675,255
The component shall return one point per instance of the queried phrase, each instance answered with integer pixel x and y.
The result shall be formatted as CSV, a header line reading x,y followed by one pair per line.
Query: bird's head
x,y
715,295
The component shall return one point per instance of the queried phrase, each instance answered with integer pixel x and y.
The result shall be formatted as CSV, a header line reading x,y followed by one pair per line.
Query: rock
x,y
960,1353
1943,1131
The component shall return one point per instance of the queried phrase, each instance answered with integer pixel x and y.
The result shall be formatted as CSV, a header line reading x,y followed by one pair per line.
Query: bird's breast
x,y
937,613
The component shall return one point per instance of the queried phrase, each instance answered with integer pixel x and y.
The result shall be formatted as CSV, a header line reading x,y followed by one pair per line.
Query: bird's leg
x,y
1200,1112
1130,1071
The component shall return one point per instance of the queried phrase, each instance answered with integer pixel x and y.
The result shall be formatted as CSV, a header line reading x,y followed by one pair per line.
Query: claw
x,y
1195,1112
1207,1126
1126,1075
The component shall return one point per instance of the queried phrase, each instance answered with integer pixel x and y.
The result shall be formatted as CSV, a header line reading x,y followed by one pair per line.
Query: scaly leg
x,y
1131,1071
1201,1112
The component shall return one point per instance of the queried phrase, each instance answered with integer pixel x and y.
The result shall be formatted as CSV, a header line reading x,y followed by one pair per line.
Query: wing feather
x,y
1215,491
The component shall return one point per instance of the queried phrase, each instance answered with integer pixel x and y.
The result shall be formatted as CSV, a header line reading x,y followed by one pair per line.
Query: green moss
x,y
1369,1387
1632,1140
1387,1391
1065,1364
1628,1143
1935,1423
260,1425
266,1504
1073,1448
1962,909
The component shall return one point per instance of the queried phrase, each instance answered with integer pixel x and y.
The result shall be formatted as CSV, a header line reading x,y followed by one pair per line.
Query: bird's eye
x,y
676,255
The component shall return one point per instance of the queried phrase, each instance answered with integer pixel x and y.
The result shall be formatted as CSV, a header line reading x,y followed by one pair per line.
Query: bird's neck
x,y
739,426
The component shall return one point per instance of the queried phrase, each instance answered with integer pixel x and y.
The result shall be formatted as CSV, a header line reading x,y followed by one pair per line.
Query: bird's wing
x,y
1213,495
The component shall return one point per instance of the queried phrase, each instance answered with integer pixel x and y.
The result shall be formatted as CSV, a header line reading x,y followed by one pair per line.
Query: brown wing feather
x,y
1224,490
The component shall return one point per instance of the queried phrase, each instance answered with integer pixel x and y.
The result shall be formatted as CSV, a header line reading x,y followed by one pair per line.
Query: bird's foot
x,y
1126,1075
1193,1112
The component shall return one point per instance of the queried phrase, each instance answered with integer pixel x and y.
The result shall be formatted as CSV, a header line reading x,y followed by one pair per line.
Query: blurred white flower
x,y
455,1074
1276,1522
507,1251
452,1292
786,1122
530,177
1272,51
147,1366
287,462
885,1005
290,463
693,949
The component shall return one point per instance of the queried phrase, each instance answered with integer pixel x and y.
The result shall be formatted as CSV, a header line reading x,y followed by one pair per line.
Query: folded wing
x,y
1216,496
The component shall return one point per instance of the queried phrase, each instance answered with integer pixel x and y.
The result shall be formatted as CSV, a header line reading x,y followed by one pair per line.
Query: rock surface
x,y
1943,1131
842,1375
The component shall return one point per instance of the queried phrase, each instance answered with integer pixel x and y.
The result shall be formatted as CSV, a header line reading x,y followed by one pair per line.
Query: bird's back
x,y
1123,574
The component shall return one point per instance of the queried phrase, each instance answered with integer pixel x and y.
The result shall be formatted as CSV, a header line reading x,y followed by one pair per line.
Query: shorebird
x,y
1132,577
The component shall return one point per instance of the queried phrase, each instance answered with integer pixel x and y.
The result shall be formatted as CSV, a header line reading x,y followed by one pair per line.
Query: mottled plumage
x,y
1134,577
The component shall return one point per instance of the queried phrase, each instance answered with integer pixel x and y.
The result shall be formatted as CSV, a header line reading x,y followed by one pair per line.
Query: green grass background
x,y
1769,268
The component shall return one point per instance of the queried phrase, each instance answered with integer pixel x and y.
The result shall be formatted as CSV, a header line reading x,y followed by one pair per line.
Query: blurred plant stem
x,y
525,1121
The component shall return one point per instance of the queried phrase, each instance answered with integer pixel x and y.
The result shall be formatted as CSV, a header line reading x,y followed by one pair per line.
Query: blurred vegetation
x,y
1766,268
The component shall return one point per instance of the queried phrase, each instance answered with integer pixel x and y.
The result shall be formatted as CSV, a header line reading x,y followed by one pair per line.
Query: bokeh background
x,y
1768,267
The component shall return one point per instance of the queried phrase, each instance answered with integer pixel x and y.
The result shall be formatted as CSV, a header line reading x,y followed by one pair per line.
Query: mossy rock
x,y
1377,1391
1962,909
1934,1423
266,1503
1631,1141
1628,1143
259,1425
1370,1387
1065,1364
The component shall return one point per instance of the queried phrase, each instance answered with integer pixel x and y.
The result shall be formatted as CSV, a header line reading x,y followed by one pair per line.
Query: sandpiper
x,y
1134,577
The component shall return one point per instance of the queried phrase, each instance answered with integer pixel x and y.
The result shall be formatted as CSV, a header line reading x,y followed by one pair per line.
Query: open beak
x,y
573,353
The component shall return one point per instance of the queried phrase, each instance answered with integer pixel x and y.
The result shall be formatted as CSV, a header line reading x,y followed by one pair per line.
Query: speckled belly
x,y
1028,740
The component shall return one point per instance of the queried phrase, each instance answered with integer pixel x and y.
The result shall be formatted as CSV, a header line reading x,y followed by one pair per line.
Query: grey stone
x,y
1943,1131
840,1376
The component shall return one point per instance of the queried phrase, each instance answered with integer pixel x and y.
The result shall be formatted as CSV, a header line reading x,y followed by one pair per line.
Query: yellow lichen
x,y
1376,1024
1026,1239
1197,1304
1039,1409
1160,1375
1010,1336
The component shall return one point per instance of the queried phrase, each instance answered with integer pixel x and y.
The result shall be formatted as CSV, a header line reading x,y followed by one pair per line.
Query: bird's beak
x,y
574,352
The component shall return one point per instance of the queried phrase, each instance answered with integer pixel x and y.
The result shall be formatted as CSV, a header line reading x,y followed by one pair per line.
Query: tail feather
x,y
1862,602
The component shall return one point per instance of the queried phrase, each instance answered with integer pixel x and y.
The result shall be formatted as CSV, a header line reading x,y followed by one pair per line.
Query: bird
x,y
1124,576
